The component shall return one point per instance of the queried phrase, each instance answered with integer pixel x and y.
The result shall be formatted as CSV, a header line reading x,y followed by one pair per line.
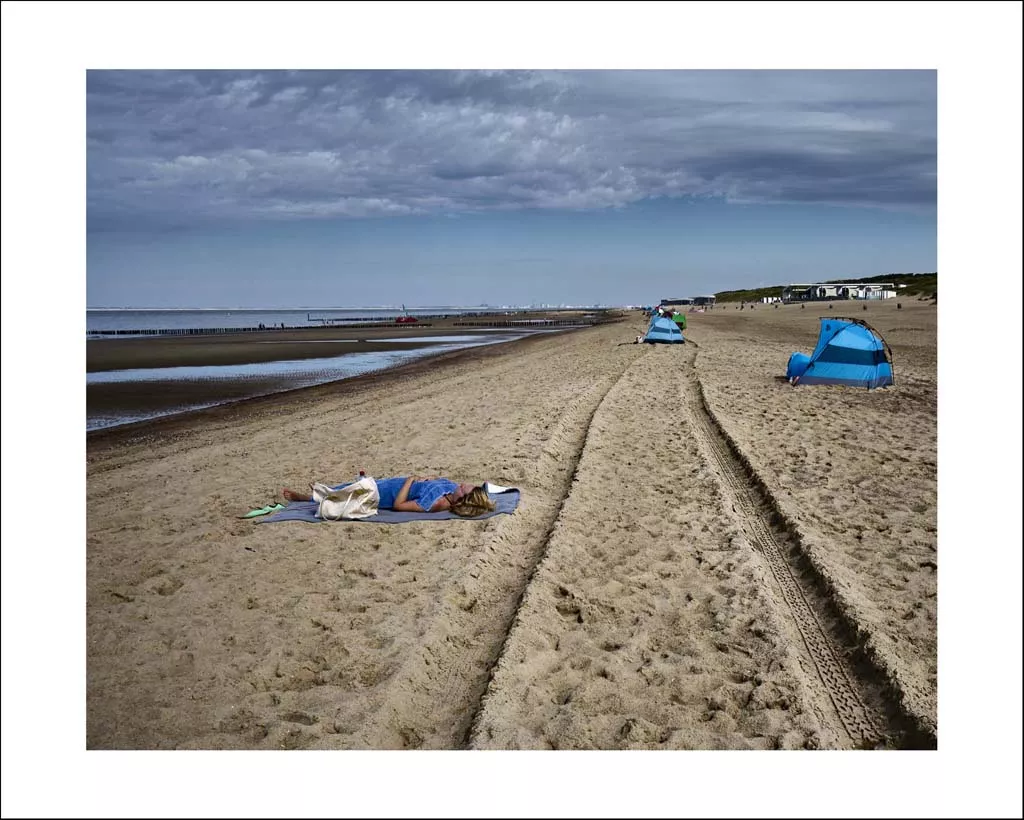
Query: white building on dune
x,y
817,292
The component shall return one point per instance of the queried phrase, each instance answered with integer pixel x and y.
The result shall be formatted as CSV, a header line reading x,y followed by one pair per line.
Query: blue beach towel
x,y
506,499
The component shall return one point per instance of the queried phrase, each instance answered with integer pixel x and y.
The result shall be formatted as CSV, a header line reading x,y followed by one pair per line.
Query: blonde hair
x,y
475,502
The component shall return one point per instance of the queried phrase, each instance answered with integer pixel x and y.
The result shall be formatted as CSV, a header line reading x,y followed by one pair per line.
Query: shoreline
x,y
243,347
250,365
238,408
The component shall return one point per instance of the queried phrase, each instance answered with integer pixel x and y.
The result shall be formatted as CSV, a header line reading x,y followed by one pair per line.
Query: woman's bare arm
x,y
401,503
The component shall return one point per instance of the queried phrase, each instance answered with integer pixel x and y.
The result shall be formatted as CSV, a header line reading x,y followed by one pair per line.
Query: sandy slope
x,y
632,601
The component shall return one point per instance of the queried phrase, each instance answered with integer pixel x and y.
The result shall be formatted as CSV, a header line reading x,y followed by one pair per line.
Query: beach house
x,y
823,291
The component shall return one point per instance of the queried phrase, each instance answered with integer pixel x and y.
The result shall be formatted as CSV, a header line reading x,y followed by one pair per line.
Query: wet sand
x,y
172,395
703,558
118,353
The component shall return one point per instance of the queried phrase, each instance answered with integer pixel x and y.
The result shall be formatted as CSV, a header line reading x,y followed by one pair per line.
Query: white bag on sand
x,y
360,499
496,489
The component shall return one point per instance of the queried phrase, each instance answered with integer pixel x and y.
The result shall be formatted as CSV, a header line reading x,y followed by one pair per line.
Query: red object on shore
x,y
404,320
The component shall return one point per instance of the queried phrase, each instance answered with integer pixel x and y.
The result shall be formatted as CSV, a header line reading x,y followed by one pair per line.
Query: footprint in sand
x,y
168,586
299,717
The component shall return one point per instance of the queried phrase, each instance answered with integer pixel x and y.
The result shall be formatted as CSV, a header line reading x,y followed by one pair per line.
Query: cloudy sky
x,y
216,187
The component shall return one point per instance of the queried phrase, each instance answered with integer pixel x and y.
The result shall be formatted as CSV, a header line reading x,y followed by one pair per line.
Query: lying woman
x,y
424,494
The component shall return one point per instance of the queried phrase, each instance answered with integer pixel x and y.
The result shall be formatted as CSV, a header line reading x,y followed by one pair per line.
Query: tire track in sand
x,y
434,698
859,700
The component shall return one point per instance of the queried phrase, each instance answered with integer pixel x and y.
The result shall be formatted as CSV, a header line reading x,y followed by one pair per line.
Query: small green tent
x,y
680,319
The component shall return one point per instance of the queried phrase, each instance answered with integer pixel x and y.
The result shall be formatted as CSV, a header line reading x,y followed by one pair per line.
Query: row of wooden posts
x,y
208,331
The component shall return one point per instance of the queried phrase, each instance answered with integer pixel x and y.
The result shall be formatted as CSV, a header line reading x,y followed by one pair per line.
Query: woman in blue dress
x,y
424,494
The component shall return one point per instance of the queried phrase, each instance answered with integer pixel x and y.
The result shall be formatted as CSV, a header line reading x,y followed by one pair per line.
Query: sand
x,y
704,557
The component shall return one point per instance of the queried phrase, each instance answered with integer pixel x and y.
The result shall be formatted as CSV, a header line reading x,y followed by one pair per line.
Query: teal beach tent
x,y
849,352
664,330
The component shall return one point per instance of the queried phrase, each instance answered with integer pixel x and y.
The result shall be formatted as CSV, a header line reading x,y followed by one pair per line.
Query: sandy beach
x,y
704,557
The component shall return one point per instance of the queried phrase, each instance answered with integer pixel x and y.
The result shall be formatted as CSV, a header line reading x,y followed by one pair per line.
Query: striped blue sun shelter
x,y
663,330
849,351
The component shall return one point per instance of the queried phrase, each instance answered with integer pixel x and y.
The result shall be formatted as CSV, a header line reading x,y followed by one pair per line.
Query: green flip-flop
x,y
263,510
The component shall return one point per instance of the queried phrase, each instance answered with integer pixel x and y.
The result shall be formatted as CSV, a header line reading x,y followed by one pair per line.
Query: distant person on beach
x,y
424,494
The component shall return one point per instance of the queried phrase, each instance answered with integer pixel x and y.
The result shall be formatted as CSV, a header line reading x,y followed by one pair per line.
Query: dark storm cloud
x,y
181,145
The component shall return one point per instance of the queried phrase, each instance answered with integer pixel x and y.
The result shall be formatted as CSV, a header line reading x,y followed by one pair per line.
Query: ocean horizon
x,y
104,320
400,306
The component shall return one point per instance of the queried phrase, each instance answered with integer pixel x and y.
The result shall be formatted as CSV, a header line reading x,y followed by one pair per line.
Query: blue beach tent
x,y
663,329
849,352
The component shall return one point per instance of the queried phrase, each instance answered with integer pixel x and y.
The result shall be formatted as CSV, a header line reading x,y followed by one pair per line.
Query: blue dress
x,y
424,493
